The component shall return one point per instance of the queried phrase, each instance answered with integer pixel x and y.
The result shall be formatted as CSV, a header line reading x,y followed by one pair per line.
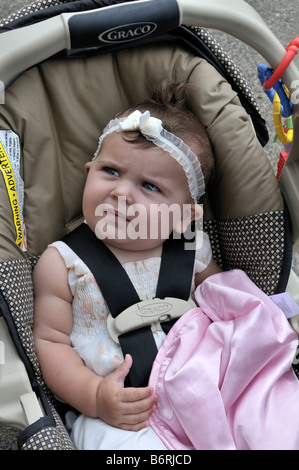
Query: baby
x,y
150,158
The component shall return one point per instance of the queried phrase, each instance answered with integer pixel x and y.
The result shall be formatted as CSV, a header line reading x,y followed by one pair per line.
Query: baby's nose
x,y
124,189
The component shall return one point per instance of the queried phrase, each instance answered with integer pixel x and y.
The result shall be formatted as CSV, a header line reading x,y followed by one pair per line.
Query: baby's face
x,y
134,197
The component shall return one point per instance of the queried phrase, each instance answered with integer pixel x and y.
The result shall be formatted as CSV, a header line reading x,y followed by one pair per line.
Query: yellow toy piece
x,y
284,137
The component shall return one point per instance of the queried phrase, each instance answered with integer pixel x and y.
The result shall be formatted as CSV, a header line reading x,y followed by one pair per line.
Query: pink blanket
x,y
224,373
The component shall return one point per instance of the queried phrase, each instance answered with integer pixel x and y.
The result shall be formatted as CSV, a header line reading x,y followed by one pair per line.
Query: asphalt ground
x,y
282,18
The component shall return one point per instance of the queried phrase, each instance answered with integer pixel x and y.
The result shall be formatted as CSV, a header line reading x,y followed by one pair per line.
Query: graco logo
x,y
155,309
128,32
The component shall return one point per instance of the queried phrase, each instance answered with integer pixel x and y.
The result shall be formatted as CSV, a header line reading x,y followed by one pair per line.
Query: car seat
x,y
60,89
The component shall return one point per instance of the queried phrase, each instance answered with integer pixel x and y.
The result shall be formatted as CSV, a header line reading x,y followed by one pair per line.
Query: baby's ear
x,y
190,212
87,167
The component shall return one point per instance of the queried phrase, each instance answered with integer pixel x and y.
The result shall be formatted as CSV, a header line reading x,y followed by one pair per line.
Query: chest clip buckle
x,y
147,312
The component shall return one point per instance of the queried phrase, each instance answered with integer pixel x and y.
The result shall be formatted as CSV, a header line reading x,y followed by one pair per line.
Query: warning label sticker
x,y
10,163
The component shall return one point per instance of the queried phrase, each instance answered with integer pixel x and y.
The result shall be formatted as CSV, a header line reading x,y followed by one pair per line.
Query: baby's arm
x,y
64,371
211,269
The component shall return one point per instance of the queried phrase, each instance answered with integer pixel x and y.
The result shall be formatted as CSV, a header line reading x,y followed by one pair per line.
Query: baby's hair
x,y
168,103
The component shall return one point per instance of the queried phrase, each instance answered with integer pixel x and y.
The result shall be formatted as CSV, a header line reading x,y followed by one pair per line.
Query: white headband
x,y
151,128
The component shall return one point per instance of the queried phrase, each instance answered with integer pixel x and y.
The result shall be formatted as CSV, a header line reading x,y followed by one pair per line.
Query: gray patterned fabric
x,y
49,438
16,287
31,8
254,244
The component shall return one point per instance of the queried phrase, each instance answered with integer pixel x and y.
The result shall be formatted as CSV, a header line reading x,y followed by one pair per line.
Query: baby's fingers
x,y
136,421
131,394
140,406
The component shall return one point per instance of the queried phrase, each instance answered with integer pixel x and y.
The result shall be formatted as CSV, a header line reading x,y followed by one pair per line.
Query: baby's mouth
x,y
117,216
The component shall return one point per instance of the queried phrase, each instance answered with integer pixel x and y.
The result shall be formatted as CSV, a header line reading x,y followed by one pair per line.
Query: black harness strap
x,y
174,281
105,267
176,272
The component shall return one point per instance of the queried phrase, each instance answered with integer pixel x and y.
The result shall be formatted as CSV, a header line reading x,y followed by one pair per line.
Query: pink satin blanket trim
x,y
224,375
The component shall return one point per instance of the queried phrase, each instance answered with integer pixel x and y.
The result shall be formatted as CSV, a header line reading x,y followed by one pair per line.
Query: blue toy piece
x,y
286,105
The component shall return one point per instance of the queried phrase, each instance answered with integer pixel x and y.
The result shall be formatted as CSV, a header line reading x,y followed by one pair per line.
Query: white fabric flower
x,y
147,125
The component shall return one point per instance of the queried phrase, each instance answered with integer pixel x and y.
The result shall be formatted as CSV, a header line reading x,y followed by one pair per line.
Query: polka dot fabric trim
x,y
31,8
254,244
17,289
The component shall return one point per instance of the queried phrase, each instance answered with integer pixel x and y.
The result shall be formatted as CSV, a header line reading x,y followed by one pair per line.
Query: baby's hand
x,y
125,408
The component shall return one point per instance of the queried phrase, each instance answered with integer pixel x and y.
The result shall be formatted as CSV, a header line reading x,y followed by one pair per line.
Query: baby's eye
x,y
110,171
150,186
